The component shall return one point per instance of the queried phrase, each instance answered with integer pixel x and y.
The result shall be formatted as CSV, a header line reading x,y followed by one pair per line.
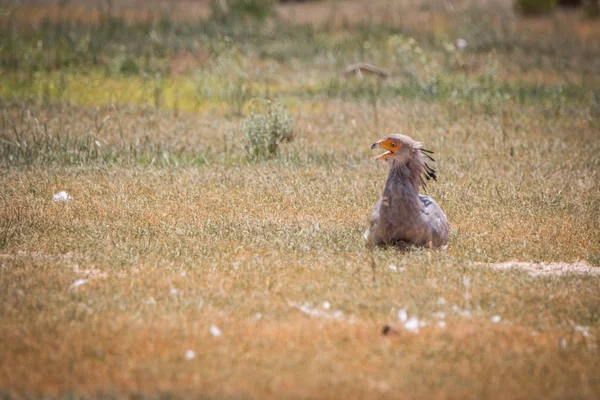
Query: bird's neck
x,y
402,181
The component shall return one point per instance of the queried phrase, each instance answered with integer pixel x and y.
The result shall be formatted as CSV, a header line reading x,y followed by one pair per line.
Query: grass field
x,y
183,266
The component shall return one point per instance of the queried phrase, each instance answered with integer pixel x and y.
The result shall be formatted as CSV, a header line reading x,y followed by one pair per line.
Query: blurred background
x,y
193,55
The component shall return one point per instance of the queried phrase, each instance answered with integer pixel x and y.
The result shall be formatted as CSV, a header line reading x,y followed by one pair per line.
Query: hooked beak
x,y
386,145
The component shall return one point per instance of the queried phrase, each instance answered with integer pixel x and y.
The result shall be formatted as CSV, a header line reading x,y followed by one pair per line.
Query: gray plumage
x,y
402,216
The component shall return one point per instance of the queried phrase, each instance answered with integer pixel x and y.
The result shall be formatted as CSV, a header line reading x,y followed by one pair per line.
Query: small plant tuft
x,y
591,8
264,132
535,7
222,11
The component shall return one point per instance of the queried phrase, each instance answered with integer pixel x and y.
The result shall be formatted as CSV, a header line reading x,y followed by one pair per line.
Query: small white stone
x,y
583,329
78,283
466,282
441,324
392,267
258,315
326,305
61,197
441,301
173,291
562,343
461,43
190,355
496,319
183,273
412,324
215,331
402,315
151,301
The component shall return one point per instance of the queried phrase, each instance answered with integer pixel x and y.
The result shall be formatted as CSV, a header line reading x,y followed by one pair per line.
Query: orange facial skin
x,y
391,145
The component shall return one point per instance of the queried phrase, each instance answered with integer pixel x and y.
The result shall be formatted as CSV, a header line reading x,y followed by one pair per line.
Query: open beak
x,y
386,145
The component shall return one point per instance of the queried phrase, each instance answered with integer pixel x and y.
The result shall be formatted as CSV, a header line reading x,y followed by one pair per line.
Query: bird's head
x,y
399,148
402,149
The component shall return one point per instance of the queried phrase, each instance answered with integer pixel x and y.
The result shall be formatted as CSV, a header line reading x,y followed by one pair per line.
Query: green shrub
x,y
259,9
591,8
263,132
222,10
128,66
535,7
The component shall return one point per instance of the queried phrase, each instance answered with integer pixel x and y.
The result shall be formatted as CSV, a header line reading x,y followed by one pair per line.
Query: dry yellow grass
x,y
171,230
168,252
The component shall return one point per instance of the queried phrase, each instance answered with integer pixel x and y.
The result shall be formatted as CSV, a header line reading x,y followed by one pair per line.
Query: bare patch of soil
x,y
548,269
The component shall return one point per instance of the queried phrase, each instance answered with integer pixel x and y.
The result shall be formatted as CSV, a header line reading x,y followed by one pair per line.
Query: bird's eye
x,y
394,144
